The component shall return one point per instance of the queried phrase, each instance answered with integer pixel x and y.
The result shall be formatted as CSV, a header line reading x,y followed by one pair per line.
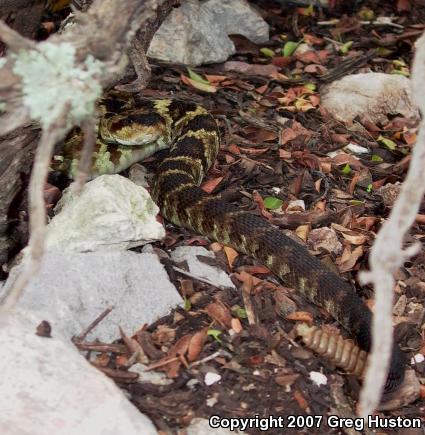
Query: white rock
x,y
72,289
211,378
213,274
237,17
371,96
201,426
111,213
189,35
354,148
47,387
417,358
157,378
318,378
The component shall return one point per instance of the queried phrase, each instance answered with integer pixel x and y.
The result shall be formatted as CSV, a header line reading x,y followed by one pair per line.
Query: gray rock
x,y
237,17
196,33
48,387
371,96
111,213
72,289
212,274
191,36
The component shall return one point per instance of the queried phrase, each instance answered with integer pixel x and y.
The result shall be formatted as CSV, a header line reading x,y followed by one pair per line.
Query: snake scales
x,y
132,128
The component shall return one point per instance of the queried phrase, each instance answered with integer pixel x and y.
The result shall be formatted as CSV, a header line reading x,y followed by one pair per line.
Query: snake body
x,y
132,128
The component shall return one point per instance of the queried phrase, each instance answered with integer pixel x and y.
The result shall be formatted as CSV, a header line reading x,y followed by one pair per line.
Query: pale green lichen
x,y
51,79
2,62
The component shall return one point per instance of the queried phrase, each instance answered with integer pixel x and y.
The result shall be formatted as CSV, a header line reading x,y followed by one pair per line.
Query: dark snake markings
x,y
193,137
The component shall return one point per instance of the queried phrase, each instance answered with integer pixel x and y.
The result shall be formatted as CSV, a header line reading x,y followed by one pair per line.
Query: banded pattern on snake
x,y
132,128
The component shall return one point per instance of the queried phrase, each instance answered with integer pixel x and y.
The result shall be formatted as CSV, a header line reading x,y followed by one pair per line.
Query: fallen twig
x,y
83,334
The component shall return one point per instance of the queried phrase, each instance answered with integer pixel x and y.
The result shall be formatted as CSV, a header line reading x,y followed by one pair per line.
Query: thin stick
x,y
83,334
206,359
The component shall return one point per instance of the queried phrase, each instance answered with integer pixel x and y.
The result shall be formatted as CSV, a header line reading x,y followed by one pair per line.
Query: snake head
x,y
133,128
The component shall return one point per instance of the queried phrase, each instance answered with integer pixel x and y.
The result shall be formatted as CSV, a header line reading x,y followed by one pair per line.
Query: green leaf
x,y
376,158
399,62
289,48
346,169
391,145
198,78
214,333
272,203
383,51
369,188
356,202
267,52
241,313
186,304
310,86
345,47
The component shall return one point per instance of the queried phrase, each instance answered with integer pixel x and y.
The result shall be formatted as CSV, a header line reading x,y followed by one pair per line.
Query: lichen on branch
x,y
51,77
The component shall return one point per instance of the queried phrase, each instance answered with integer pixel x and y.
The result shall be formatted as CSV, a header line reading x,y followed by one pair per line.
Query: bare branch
x,y
387,254
88,129
13,39
40,170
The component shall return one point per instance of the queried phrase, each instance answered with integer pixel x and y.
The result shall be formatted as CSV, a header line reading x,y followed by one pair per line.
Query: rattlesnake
x,y
131,128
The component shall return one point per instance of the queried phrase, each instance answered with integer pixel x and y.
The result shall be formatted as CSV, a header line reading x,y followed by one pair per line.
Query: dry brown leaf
x,y
186,287
233,148
196,344
214,79
344,158
285,155
293,132
349,258
220,313
231,255
300,316
216,247
237,326
286,380
262,89
164,335
256,151
302,402
282,61
197,85
353,237
307,57
172,368
302,232
211,184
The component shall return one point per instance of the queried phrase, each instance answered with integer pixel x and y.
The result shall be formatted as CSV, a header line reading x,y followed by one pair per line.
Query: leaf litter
x,y
281,149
